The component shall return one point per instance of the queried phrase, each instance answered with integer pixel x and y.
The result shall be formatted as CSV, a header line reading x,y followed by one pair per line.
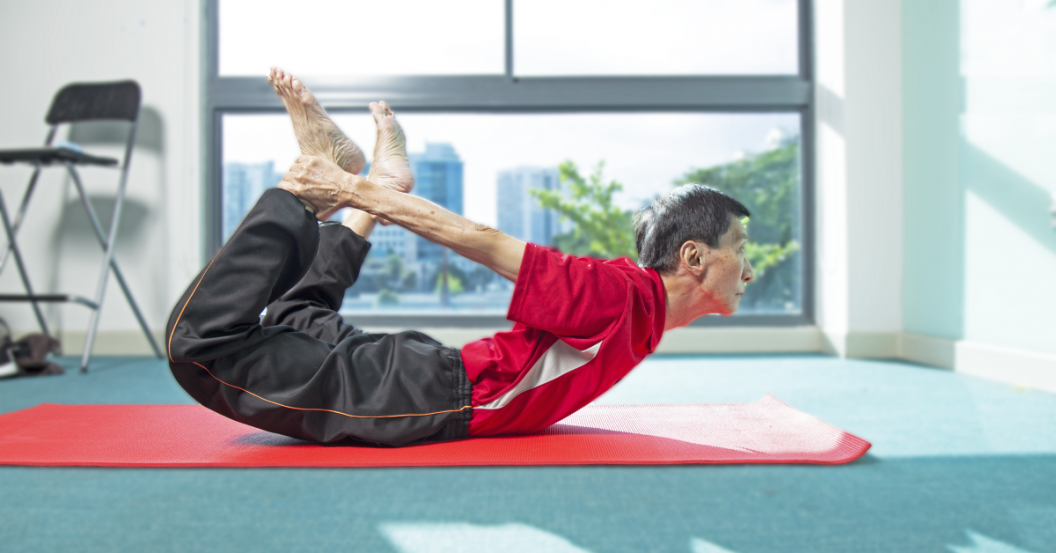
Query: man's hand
x,y
323,185
320,184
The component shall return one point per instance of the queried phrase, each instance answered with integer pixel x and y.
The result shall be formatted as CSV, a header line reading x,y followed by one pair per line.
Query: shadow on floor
x,y
920,505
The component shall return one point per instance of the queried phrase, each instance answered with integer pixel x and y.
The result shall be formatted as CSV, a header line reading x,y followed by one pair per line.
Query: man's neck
x,y
680,300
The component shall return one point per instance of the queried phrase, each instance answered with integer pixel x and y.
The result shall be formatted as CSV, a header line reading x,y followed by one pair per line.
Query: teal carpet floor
x,y
958,465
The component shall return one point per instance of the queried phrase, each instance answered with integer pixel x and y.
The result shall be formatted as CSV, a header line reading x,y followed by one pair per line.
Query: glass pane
x,y
360,37
661,37
486,166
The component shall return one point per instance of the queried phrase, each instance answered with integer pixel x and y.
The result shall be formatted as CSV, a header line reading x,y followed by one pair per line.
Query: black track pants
x,y
302,372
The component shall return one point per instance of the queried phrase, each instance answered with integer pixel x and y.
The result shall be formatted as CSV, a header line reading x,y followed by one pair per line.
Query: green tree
x,y
601,229
479,278
387,297
454,283
767,183
391,278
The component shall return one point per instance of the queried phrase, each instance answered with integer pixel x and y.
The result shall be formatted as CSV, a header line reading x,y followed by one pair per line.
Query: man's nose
x,y
747,275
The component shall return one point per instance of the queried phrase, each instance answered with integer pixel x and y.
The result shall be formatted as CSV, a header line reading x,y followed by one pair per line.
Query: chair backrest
x,y
88,101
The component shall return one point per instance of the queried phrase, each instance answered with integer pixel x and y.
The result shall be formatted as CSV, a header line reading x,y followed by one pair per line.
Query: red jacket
x,y
581,325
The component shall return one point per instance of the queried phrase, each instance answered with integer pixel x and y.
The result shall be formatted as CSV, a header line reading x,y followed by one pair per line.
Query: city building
x,y
243,185
438,175
438,178
392,239
519,213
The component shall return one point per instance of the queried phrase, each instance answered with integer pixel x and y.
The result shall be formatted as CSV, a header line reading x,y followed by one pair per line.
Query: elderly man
x,y
581,324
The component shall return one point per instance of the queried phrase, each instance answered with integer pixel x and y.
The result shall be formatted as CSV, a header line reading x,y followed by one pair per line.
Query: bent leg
x,y
311,305
268,253
383,389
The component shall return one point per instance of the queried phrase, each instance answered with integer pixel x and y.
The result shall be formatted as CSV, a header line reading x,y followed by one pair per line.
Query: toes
x,y
377,111
303,94
282,78
383,116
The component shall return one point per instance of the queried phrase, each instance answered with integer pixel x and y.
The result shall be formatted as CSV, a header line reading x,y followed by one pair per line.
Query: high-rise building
x,y
438,178
519,212
243,184
387,240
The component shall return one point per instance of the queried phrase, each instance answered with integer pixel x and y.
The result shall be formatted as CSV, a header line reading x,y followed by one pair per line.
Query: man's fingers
x,y
304,164
299,163
307,161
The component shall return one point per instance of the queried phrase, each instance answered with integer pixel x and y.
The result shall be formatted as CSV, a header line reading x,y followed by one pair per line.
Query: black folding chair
x,y
78,102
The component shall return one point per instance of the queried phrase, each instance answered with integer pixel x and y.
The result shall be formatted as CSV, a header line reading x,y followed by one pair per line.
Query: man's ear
x,y
692,255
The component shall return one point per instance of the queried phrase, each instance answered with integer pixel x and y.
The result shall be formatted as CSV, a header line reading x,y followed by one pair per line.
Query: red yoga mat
x,y
766,431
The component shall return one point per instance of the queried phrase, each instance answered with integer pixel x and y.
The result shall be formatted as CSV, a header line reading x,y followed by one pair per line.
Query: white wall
x,y
49,43
980,121
859,175
1008,129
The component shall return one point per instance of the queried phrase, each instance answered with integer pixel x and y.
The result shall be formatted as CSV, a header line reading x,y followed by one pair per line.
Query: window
x,y
327,38
660,37
497,120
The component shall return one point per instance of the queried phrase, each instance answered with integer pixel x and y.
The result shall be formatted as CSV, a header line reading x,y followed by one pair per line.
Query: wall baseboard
x,y
110,342
133,342
1011,366
1017,367
861,345
793,339
928,350
744,339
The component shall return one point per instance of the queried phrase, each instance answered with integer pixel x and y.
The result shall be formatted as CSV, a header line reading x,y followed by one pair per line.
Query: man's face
x,y
726,270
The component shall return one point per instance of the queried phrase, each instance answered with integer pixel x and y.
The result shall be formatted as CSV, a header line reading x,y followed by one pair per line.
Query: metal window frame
x,y
511,94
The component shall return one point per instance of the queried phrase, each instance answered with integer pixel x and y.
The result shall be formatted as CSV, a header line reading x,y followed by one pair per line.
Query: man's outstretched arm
x,y
322,185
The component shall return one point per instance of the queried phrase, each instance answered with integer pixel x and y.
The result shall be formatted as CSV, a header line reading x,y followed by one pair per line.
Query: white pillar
x,y
859,175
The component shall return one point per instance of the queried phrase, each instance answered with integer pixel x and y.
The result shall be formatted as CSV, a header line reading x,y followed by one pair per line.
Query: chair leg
x,y
108,256
21,214
21,267
98,228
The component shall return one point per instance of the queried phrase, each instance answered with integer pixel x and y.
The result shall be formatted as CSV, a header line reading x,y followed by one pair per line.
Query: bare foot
x,y
390,167
316,132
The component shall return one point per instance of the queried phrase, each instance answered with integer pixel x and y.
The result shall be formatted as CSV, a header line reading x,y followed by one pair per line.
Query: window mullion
x,y
498,93
509,39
